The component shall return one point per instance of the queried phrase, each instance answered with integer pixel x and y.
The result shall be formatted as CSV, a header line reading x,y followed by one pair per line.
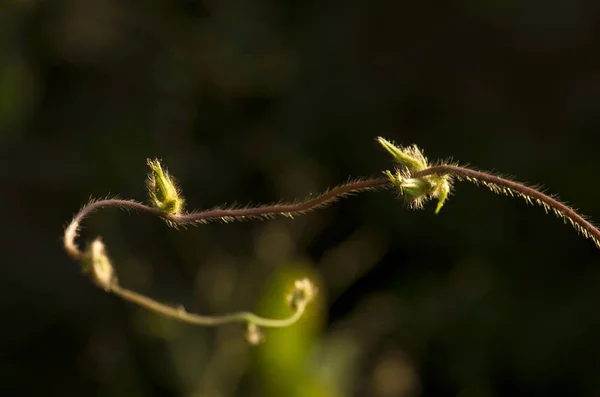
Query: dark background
x,y
257,101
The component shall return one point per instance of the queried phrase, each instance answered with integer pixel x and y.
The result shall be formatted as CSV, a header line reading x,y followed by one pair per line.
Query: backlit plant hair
x,y
416,180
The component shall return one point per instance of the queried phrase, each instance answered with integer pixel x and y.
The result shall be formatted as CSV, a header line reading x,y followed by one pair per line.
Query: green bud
x,y
417,191
254,334
96,263
163,191
441,191
304,292
415,187
410,157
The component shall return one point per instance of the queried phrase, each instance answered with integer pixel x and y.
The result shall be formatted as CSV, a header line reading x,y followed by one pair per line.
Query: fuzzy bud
x,y
254,334
304,292
410,157
98,265
416,191
441,191
162,189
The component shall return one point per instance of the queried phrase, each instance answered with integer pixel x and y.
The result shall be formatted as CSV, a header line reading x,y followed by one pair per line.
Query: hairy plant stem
x,y
511,188
224,215
219,214
495,183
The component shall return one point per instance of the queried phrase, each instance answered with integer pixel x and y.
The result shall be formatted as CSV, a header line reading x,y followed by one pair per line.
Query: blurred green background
x,y
259,101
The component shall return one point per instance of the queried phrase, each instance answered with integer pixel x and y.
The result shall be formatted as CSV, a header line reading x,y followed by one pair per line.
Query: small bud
x,y
163,191
410,157
442,191
98,264
415,187
254,334
304,292
417,191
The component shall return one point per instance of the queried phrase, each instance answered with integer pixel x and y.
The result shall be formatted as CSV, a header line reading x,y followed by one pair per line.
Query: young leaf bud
x,y
254,334
416,191
96,262
163,191
442,185
410,157
304,291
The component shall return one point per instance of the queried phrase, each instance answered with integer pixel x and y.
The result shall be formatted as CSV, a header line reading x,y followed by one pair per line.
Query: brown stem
x,y
205,216
506,186
224,215
284,209
72,230
495,183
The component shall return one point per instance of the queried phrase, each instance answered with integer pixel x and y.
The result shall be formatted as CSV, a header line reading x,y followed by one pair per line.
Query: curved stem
x,y
179,313
495,183
72,230
508,187
110,284
288,210
224,215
